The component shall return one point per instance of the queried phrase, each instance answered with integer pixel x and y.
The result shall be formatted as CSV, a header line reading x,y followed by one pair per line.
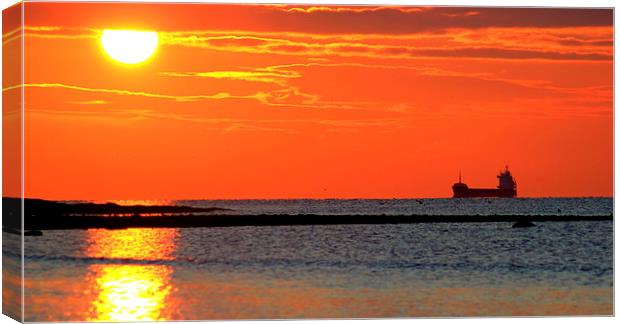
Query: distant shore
x,y
48,215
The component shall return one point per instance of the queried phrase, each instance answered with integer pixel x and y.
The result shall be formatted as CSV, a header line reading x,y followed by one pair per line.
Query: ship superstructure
x,y
507,188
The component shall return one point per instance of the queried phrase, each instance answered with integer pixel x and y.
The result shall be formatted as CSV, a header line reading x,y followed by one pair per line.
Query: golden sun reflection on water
x,y
130,292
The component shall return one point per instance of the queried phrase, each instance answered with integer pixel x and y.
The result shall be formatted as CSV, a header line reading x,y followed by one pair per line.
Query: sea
x,y
325,271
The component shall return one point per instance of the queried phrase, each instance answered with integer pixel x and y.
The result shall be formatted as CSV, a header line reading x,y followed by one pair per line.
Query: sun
x,y
129,46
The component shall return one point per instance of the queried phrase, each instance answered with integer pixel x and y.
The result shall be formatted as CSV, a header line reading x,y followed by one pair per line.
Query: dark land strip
x,y
85,222
48,215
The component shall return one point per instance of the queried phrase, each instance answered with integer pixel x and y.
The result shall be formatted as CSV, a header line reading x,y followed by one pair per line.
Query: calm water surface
x,y
436,206
406,270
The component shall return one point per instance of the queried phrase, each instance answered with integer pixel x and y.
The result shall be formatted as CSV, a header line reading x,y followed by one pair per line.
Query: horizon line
x,y
305,198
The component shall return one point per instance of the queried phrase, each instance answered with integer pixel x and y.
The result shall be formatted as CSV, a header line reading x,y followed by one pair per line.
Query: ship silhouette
x,y
507,188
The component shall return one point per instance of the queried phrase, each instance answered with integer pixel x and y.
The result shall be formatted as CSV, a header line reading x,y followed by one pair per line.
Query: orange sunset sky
x,y
274,101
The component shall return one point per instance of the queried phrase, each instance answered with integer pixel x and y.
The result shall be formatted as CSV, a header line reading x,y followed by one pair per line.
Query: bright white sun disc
x,y
129,46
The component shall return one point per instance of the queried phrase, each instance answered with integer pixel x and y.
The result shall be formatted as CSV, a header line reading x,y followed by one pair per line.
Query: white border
x,y
490,3
478,3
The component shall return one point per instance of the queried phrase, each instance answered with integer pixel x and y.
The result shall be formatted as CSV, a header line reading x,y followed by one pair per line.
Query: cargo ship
x,y
507,188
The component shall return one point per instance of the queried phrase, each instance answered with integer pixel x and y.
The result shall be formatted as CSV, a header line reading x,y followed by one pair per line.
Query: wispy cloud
x,y
90,102
232,125
11,35
575,43
285,97
404,20
281,74
49,32
355,9
221,95
388,20
463,47
265,75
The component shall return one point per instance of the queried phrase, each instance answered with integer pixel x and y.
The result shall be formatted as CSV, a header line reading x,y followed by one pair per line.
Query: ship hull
x,y
483,192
